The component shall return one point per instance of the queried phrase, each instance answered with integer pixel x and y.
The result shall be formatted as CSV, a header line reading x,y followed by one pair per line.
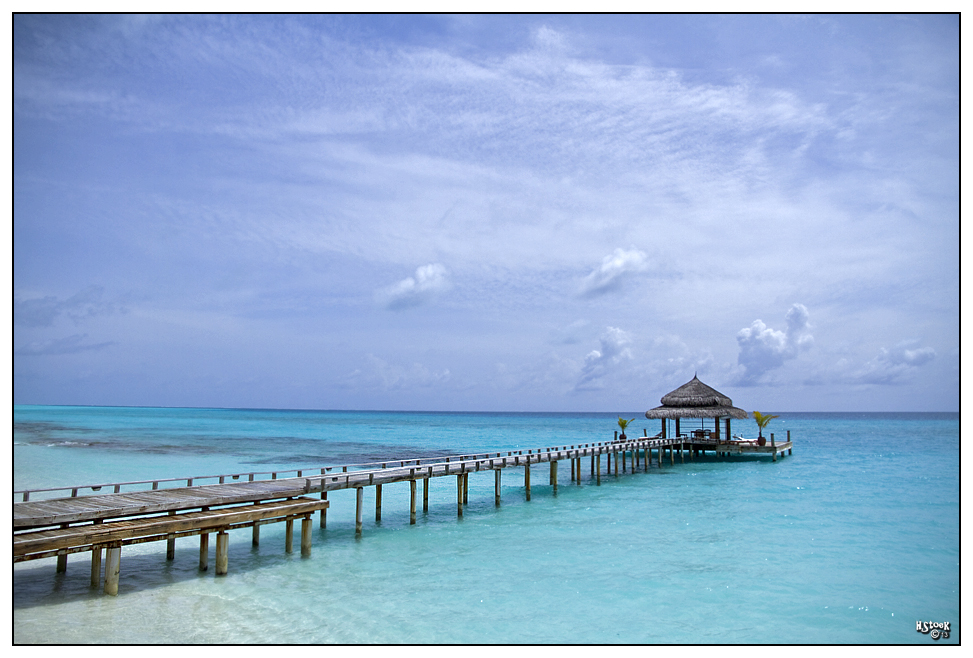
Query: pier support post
x,y
554,475
96,567
496,487
593,463
222,552
425,494
359,502
255,540
573,464
113,564
378,503
171,542
527,477
466,488
459,495
289,534
306,536
412,502
597,469
608,463
204,551
616,463
324,510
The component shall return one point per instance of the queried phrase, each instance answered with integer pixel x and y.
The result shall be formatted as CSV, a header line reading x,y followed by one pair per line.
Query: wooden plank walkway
x,y
78,509
61,526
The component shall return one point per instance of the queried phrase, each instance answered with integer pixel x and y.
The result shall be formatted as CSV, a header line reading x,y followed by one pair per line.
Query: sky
x,y
486,212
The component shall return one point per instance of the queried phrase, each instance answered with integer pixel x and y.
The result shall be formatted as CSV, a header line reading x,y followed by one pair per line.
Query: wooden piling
x,y
289,534
62,558
324,510
527,476
222,552
255,539
496,487
378,503
203,551
554,475
466,488
306,536
459,495
113,564
597,469
96,567
359,502
412,502
171,542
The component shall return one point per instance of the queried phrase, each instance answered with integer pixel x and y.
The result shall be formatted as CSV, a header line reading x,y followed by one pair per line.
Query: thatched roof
x,y
694,399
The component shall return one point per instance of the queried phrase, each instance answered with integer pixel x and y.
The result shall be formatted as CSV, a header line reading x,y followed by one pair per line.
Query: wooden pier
x,y
82,522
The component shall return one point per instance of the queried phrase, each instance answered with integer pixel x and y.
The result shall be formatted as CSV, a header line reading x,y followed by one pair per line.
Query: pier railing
x,y
74,491
443,463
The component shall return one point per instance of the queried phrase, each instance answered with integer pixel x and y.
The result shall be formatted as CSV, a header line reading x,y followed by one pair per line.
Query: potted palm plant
x,y
623,424
762,420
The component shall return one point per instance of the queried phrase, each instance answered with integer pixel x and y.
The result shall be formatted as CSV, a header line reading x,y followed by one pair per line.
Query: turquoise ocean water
x,y
852,539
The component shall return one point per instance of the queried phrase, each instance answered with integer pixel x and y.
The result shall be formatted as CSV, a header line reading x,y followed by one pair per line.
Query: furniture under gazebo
x,y
694,399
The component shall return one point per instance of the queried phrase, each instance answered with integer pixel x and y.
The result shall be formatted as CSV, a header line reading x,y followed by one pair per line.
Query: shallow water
x,y
851,539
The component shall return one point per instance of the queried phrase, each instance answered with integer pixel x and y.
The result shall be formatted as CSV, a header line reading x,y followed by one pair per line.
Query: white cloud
x,y
599,363
613,270
428,281
763,349
895,365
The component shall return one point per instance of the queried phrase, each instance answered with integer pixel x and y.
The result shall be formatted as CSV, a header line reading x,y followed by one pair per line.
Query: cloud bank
x,y
895,365
45,311
69,345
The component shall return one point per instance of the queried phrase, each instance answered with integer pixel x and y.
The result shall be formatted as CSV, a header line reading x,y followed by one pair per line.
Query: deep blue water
x,y
852,539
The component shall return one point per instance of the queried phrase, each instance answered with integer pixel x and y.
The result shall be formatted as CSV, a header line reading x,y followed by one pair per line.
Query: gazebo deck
x,y
743,446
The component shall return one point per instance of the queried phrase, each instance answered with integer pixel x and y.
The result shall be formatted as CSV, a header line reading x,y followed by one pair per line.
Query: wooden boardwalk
x,y
79,523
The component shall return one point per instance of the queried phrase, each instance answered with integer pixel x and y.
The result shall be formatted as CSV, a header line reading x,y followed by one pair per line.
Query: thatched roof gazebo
x,y
694,399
